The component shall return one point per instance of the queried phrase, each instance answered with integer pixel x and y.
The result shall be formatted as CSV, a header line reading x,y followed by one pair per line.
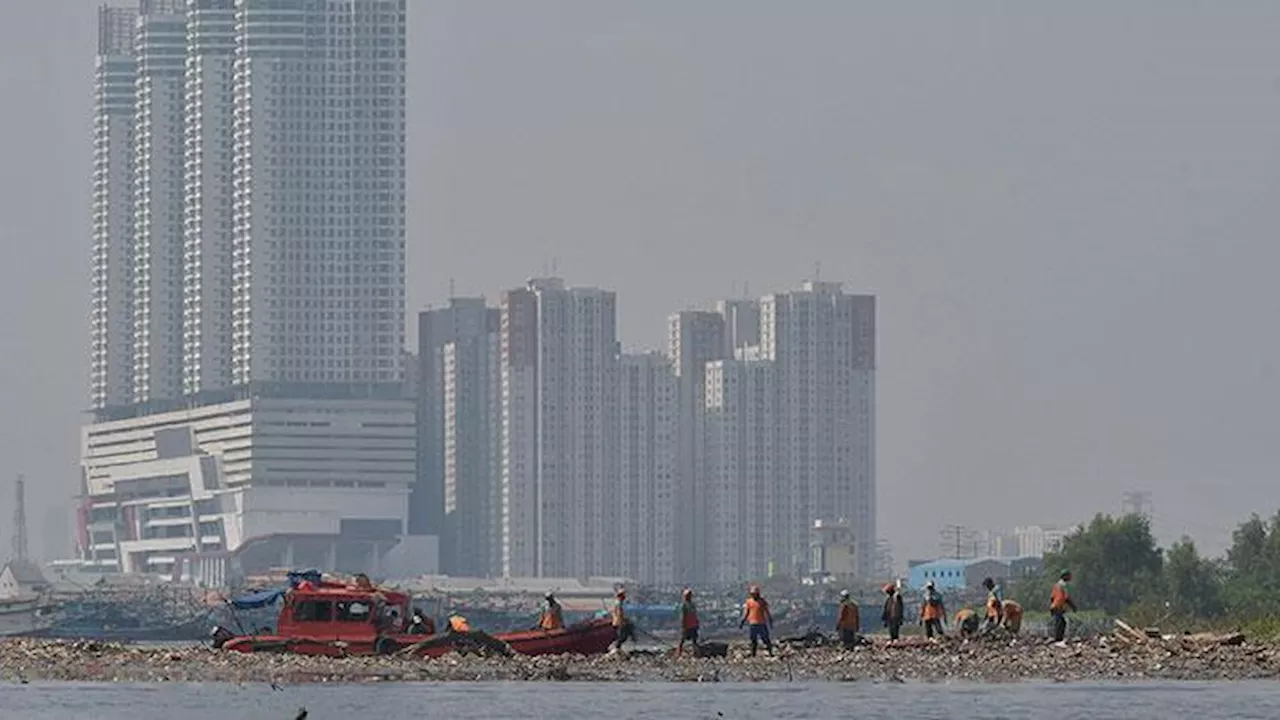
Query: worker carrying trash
x,y
459,624
755,613
995,605
967,622
623,629
933,612
849,622
688,621
893,610
1060,603
552,616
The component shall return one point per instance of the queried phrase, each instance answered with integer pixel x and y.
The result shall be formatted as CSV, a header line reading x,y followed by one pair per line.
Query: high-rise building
x,y
208,188
694,338
111,309
741,324
559,415
644,543
248,267
460,332
822,341
318,222
160,47
746,522
472,527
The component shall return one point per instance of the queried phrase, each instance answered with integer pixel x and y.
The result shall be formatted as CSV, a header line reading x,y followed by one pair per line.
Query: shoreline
x,y
981,661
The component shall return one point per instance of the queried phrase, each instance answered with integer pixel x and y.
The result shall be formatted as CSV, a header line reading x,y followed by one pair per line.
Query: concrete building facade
x,y
471,405
694,338
822,341
207,186
643,546
265,483
746,522
559,416
464,320
111,266
160,48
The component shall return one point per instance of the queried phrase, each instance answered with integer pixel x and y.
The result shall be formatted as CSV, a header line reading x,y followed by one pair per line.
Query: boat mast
x,y
20,520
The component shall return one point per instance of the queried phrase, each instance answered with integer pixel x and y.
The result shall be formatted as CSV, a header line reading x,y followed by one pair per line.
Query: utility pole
x,y
20,521
954,539
1136,502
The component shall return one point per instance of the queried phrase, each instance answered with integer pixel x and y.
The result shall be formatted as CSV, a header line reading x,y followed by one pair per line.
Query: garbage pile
x,y
1128,654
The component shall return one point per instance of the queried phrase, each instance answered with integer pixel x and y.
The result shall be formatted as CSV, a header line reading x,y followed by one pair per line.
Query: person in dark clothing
x,y
893,611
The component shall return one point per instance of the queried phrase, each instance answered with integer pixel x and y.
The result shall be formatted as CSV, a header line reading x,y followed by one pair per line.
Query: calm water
x,y
48,701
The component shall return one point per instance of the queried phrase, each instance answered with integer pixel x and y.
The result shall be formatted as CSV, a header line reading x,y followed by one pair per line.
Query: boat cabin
x,y
342,612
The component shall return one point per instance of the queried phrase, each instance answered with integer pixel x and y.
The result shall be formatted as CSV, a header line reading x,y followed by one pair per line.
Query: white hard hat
x,y
844,593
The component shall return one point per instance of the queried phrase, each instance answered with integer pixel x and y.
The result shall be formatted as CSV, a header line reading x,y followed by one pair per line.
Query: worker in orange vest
x,y
623,630
967,622
995,605
688,621
755,613
1060,603
552,617
459,624
933,612
849,622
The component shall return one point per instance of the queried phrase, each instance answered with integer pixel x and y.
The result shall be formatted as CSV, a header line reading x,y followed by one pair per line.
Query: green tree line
x,y
1119,569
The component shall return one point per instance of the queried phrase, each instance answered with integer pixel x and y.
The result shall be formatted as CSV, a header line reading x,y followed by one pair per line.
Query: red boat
x,y
339,619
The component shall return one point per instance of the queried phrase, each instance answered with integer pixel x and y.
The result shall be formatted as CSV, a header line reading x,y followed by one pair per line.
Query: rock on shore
x,y
982,660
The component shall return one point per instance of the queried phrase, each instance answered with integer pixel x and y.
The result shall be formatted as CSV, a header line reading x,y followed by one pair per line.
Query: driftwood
x,y
1129,634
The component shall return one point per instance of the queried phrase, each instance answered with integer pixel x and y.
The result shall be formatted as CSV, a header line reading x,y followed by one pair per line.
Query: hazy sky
x,y
1067,211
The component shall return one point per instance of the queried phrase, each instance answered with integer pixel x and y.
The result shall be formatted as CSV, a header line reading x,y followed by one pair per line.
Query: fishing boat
x,y
24,616
336,619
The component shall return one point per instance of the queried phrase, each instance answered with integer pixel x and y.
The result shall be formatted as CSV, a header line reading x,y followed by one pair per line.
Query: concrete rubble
x,y
1114,657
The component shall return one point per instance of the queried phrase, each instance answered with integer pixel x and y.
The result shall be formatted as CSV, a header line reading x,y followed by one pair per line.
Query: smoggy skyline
x,y
1064,212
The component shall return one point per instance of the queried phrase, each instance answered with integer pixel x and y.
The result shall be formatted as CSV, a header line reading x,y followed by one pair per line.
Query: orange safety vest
x,y
1058,601
551,619
931,611
757,611
849,617
688,616
993,606
963,615
457,623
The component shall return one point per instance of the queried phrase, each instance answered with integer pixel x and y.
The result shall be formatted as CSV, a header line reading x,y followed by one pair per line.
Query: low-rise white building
x,y
247,485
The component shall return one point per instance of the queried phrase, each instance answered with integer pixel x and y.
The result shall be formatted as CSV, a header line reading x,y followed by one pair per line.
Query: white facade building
x,y
694,338
318,241
207,153
111,287
559,416
160,48
1036,540
747,505
472,418
643,546
264,482
823,343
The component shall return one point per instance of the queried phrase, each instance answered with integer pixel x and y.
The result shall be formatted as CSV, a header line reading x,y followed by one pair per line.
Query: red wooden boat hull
x,y
590,638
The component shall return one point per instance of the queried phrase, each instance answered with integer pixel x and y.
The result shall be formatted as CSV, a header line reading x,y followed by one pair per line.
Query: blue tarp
x,y
260,599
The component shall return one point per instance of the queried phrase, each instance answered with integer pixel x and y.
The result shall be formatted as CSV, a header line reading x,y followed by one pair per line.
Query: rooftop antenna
x,y
20,520
452,294
555,266
817,270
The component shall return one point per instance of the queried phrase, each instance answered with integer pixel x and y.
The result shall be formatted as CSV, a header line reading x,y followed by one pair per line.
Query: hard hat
x,y
889,587
688,592
550,595
1065,572
929,584
844,593
622,592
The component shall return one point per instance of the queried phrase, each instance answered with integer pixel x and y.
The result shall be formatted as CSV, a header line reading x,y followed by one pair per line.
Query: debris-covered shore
x,y
982,660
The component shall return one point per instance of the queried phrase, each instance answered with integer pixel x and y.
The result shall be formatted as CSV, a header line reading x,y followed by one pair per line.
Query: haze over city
x,y
1064,212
